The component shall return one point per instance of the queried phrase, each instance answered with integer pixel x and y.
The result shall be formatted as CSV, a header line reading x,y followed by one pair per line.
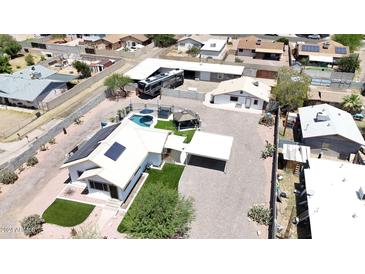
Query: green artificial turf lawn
x,y
67,213
169,125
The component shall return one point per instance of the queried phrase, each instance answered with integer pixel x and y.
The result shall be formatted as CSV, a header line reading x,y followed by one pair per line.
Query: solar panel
x,y
310,48
115,151
341,50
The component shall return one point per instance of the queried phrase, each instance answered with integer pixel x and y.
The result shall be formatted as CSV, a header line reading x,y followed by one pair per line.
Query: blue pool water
x,y
142,120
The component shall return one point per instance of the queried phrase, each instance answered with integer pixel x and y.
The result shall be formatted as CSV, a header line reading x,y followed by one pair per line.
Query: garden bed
x,y
67,213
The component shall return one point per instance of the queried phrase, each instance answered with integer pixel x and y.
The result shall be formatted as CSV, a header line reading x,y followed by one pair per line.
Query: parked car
x,y
314,36
358,116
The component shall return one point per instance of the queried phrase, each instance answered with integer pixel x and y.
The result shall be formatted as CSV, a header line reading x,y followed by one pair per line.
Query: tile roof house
x,y
327,52
330,130
117,41
31,86
244,91
259,49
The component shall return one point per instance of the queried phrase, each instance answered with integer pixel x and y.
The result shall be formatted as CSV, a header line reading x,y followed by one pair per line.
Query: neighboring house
x,y
256,48
335,195
117,41
32,86
330,130
322,53
192,70
112,161
242,92
214,49
187,42
134,41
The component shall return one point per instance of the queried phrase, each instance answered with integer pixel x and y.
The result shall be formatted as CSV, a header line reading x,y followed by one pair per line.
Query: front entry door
x,y
113,192
248,102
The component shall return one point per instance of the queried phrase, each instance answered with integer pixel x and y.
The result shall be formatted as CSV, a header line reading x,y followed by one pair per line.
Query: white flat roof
x,y
150,65
210,145
296,153
175,142
335,211
214,45
319,58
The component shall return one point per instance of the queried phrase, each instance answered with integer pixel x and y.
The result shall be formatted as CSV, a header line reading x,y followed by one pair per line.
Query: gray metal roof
x,y
185,115
332,121
29,83
88,147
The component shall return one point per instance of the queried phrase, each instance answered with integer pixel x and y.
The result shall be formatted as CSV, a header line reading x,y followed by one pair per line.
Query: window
x,y
182,44
98,186
255,102
220,75
240,50
79,173
234,99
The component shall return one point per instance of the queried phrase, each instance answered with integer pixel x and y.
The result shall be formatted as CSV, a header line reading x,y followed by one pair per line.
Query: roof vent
x,y
326,45
321,117
213,45
361,194
256,83
35,75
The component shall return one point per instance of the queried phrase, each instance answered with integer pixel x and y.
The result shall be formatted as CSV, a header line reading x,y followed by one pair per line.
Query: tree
x,y
353,41
292,89
163,40
59,36
193,51
349,64
352,103
117,83
163,214
283,40
5,66
29,60
9,45
82,68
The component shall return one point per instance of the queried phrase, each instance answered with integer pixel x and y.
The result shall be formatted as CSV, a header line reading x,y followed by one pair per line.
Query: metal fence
x,y
273,193
35,145
81,86
194,95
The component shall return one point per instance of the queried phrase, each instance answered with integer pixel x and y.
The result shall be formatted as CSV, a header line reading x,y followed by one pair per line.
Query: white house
x,y
214,49
336,200
187,42
112,161
242,92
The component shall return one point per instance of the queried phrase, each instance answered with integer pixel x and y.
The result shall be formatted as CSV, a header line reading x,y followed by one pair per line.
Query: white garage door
x,y
205,76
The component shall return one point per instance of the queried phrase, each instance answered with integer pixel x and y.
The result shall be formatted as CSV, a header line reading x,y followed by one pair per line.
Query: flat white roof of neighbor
x,y
214,45
296,153
319,58
245,83
333,121
150,65
210,145
335,210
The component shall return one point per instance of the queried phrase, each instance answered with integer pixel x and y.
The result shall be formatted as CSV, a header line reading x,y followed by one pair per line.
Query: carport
x,y
209,150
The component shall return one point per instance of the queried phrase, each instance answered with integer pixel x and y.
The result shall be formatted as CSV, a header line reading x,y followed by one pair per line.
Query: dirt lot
x,y
19,62
12,118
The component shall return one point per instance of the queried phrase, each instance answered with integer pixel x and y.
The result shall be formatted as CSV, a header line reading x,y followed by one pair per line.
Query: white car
x,y
314,36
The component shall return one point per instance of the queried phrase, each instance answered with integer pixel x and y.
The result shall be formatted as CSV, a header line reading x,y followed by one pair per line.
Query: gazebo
x,y
186,119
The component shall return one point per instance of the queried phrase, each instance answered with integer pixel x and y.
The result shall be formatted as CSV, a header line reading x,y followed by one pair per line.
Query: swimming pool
x,y
142,120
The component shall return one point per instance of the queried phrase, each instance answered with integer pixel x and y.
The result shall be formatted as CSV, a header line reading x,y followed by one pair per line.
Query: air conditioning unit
x,y
258,42
326,45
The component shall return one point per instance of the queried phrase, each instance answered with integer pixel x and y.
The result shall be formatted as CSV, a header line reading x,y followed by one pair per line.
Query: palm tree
x,y
352,103
117,83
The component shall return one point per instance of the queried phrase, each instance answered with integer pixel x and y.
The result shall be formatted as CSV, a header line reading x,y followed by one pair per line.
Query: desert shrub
x,y
78,121
237,60
29,59
32,161
260,214
268,151
43,147
112,119
193,51
32,225
8,177
267,120
86,233
52,141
